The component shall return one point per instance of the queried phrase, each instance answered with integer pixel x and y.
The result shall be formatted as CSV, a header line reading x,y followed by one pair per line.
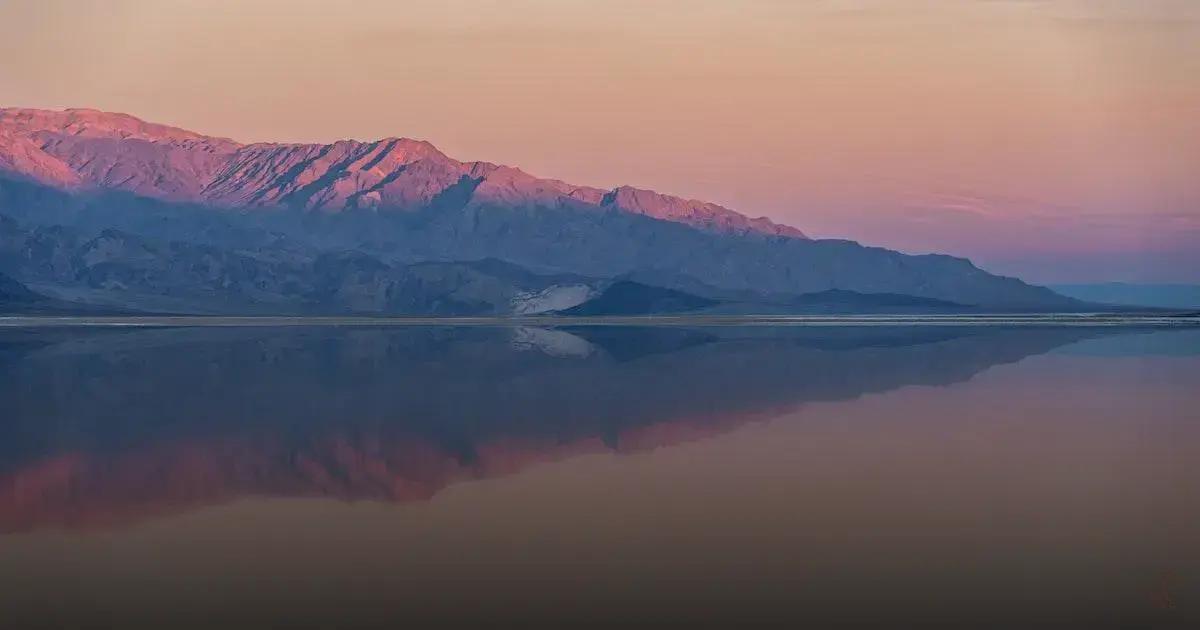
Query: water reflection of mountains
x,y
107,426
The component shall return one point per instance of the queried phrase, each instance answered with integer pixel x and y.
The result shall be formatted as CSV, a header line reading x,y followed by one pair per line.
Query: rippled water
x,y
896,477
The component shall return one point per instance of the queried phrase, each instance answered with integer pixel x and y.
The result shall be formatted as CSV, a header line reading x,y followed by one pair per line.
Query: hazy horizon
x,y
1052,140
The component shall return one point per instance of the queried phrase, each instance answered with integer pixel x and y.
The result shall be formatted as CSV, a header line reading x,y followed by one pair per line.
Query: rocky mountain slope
x,y
118,269
88,148
18,299
209,223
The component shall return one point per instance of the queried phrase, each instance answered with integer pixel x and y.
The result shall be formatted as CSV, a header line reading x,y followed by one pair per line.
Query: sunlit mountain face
x,y
90,149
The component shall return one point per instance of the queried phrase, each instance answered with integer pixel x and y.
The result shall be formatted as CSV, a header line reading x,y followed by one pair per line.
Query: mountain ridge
x,y
211,222
75,147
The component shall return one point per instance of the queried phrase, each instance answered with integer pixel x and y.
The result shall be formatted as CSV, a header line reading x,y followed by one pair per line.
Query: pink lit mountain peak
x,y
90,149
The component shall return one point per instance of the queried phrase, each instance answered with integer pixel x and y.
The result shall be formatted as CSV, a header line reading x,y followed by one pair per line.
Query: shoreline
x,y
1187,320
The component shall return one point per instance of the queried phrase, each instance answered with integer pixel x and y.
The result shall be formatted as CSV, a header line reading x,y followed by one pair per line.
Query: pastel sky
x,y
1057,140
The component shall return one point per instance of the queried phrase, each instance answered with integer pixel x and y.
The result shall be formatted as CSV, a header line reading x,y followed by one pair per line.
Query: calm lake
x,y
893,477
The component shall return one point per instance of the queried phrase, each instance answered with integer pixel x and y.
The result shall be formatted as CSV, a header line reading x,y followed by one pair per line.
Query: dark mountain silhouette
x,y
626,297
837,300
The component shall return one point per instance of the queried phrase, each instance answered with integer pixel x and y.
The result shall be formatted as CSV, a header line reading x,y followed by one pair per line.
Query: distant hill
x,y
626,297
842,301
1182,296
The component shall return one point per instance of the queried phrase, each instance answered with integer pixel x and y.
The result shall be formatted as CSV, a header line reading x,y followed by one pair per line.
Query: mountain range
x,y
107,209
1159,295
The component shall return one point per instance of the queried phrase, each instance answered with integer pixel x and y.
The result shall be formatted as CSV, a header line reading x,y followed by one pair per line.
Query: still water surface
x,y
889,477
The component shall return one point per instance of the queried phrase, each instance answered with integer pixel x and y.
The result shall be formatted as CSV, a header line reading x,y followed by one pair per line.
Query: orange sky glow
x,y
1057,140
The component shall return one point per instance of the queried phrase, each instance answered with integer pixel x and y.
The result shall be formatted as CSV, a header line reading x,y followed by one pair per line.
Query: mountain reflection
x,y
106,427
